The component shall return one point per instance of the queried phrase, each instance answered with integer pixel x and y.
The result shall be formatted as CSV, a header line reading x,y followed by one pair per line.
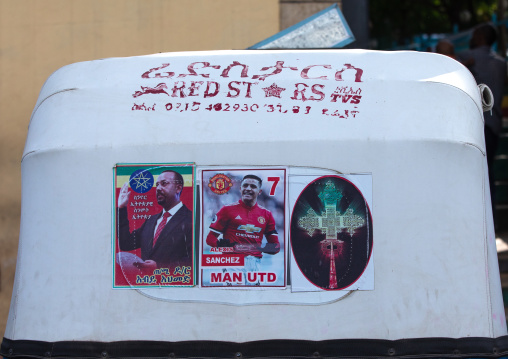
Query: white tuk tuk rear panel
x,y
257,203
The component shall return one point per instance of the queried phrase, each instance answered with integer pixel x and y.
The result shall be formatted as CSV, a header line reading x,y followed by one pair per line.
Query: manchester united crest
x,y
261,220
220,184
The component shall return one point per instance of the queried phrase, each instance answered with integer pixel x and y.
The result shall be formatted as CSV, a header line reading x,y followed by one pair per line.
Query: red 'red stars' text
x,y
183,86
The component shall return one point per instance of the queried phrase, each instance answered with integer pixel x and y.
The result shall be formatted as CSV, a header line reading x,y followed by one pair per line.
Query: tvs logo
x,y
220,184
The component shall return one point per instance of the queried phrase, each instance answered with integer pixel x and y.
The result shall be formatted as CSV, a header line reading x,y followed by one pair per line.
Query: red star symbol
x,y
273,90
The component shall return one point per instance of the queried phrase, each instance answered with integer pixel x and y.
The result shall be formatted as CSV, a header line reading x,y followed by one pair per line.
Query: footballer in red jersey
x,y
243,224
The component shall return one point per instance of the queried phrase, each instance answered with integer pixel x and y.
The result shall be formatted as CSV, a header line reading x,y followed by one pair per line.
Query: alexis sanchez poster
x,y
243,233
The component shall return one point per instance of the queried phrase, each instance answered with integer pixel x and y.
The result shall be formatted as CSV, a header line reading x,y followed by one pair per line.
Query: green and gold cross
x,y
331,221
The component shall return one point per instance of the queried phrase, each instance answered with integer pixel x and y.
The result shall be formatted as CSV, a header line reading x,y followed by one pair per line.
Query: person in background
x,y
490,69
445,47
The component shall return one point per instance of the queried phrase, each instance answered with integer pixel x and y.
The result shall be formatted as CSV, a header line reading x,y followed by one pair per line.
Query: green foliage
x,y
395,22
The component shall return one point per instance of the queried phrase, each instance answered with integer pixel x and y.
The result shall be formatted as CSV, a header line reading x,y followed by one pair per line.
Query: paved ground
x,y
502,242
502,254
9,233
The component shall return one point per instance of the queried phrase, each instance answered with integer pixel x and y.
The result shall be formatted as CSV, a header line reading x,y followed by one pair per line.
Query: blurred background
x,y
39,36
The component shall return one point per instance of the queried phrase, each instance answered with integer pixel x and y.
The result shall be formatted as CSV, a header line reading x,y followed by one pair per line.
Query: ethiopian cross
x,y
331,222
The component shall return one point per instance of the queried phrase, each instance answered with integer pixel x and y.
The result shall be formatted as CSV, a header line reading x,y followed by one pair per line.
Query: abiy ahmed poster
x,y
243,230
154,225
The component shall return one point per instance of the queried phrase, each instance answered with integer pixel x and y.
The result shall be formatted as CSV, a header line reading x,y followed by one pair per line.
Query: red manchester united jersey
x,y
242,224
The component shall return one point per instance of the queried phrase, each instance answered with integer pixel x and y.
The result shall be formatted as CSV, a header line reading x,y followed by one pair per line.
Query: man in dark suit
x,y
165,239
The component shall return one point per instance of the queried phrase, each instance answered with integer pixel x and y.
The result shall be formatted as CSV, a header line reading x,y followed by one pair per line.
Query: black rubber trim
x,y
340,348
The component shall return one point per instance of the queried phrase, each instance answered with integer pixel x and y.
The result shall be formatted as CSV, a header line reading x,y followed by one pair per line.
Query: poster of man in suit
x,y
154,225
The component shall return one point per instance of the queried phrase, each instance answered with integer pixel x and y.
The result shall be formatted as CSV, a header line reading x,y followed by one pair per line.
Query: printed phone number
x,y
196,106
225,107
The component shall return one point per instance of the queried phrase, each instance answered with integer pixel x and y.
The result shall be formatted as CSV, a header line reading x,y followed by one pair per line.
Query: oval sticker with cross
x,y
331,233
